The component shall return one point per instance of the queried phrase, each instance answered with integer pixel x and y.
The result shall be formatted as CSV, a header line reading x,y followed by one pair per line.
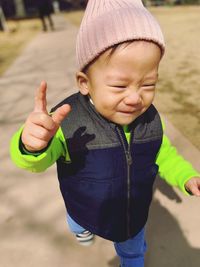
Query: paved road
x,y
33,231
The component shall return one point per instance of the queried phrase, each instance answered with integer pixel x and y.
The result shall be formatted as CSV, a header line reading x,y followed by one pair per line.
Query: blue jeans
x,y
131,252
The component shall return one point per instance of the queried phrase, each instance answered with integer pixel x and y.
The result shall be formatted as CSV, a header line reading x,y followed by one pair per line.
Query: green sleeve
x,y
34,162
173,168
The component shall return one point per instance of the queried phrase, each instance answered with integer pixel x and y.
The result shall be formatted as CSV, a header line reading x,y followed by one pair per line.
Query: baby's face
x,y
122,87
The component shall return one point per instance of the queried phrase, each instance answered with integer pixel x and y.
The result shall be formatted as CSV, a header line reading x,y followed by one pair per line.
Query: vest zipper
x,y
126,147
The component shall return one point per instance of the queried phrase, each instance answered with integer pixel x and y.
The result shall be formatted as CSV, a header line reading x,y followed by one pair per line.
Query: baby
x,y
108,139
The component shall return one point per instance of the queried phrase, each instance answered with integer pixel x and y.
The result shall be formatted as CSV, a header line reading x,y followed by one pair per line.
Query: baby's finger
x,y
195,190
40,98
42,119
59,115
34,144
40,132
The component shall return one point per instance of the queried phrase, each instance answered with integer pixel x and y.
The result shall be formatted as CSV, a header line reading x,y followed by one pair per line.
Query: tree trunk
x,y
3,26
20,10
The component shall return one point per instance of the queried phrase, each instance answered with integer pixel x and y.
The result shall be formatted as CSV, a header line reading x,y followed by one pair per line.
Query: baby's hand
x,y
193,186
40,127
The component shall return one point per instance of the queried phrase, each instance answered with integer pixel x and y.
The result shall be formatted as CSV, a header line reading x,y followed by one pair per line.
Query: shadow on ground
x,y
167,243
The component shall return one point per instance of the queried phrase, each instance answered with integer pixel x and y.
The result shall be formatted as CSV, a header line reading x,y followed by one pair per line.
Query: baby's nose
x,y
133,98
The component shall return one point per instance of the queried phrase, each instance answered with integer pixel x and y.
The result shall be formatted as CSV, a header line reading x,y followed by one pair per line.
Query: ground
x,y
178,91
15,39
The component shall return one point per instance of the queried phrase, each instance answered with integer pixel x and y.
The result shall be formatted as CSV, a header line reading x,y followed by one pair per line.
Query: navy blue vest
x,y
107,185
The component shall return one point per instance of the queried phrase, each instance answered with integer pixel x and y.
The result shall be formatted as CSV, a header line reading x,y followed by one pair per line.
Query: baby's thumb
x,y
60,113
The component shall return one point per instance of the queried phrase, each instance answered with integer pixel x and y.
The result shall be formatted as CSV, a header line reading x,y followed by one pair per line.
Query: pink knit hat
x,y
109,22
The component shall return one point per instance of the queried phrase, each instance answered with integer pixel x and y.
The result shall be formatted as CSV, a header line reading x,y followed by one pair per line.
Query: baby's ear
x,y
82,82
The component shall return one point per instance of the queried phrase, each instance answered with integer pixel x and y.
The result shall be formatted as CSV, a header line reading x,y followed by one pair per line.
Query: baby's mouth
x,y
129,111
126,112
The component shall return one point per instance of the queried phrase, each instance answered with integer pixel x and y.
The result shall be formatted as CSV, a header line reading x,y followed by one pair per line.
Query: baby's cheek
x,y
109,107
148,99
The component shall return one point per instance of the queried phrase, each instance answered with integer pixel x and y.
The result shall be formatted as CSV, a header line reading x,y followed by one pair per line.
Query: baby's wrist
x,y
29,151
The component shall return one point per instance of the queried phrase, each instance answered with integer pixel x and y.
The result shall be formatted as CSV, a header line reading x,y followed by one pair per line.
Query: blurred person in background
x,y
45,9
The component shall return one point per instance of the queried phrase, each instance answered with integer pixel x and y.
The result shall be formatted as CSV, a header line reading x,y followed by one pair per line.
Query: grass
x,y
13,41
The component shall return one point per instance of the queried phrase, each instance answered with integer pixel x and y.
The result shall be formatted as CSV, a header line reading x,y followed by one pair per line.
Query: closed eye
x,y
118,86
149,85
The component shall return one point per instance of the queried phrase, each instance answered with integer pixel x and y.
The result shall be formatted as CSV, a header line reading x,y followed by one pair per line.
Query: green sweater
x,y
173,168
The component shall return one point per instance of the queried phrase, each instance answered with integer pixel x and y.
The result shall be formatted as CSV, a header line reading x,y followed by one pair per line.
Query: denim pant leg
x,y
73,226
131,251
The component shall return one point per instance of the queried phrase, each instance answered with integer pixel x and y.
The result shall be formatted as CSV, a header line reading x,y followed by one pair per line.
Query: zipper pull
x,y
129,158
